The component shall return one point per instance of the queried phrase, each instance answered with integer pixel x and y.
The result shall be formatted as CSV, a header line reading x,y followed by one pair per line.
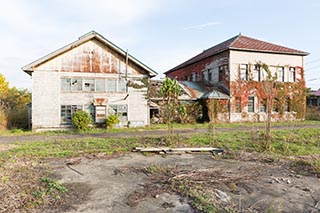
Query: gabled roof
x,y
243,43
82,39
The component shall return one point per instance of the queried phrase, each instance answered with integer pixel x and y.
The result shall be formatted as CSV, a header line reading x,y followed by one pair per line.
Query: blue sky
x,y
160,33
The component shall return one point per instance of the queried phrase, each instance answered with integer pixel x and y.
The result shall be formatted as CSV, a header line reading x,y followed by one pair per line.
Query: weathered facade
x,y
91,74
238,66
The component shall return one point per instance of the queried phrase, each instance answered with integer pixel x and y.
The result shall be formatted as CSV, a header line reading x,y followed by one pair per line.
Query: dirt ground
x,y
251,184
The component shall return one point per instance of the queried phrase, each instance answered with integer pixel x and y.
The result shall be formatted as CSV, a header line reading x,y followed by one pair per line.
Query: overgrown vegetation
x,y
112,120
13,109
24,175
81,120
313,113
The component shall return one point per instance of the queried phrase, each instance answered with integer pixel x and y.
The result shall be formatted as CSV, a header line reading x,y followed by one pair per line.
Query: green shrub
x,y
81,120
112,120
18,119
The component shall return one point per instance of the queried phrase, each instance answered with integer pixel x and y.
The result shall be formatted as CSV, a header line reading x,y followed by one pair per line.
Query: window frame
x,y
250,104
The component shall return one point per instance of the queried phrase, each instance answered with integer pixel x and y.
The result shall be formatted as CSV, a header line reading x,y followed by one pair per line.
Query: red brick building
x,y
233,67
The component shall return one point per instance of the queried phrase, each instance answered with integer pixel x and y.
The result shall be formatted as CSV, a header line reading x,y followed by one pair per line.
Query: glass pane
x,y
88,85
100,85
76,84
65,84
111,85
122,87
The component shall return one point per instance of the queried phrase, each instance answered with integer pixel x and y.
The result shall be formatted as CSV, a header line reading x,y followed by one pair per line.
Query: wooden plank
x,y
168,149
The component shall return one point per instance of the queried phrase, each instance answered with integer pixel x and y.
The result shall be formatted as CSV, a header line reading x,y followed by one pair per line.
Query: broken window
x,y
76,84
67,112
100,85
250,104
292,74
280,74
65,84
121,110
238,104
244,72
88,85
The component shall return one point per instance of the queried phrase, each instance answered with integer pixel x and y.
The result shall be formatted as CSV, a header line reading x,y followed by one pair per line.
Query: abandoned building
x,y
313,98
234,74
90,74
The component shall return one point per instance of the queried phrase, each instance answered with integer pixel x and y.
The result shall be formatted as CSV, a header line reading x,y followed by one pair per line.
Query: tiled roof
x,y
244,43
315,93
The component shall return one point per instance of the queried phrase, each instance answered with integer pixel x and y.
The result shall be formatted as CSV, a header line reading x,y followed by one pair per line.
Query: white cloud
x,y
202,26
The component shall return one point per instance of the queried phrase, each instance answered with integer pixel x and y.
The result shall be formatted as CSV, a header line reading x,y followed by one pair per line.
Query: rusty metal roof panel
x,y
29,68
202,90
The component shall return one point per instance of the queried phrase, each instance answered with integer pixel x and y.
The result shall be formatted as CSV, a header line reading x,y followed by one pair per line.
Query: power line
x,y
313,61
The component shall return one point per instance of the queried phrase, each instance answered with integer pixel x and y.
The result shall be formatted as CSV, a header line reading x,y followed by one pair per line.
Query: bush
x,y
313,113
112,120
81,120
18,119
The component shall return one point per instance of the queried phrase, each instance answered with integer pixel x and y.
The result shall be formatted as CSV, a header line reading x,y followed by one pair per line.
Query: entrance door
x,y
100,114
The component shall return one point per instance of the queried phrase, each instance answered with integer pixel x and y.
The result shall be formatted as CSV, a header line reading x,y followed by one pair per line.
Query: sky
x,y
160,33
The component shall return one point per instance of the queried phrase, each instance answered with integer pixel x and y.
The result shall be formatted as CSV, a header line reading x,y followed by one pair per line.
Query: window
x,y
193,76
121,110
122,86
65,84
100,85
204,76
238,104
280,74
221,72
76,84
263,105
257,73
111,85
67,112
244,72
209,75
292,74
88,85
250,104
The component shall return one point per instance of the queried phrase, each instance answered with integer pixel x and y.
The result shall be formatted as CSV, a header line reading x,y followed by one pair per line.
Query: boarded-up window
x,y
76,84
65,84
67,112
238,104
100,85
221,72
250,104
88,85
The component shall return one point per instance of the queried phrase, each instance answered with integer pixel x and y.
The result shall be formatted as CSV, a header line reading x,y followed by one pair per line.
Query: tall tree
x,y
170,91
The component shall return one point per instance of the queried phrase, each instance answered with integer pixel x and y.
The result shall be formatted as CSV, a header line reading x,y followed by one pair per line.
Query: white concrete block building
x,y
90,74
